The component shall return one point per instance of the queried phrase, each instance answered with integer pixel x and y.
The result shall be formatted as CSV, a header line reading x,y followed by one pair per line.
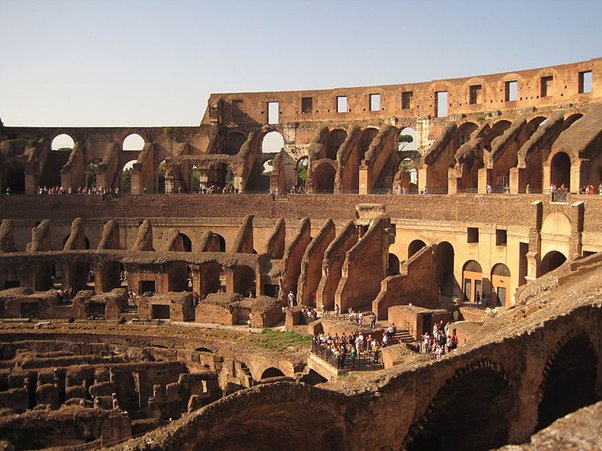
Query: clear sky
x,y
151,62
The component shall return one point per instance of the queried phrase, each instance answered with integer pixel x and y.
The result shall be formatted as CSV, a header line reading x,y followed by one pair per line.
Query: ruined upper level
x,y
534,88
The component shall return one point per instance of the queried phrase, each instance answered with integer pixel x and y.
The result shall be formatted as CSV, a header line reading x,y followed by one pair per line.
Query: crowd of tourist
x,y
347,351
443,339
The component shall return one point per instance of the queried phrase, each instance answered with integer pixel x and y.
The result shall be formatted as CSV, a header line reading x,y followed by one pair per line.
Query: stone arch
x,y
233,142
272,372
500,284
464,132
472,280
551,261
244,280
281,415
569,378
323,178
334,140
560,170
454,418
182,243
444,256
62,142
415,246
272,142
133,142
86,242
571,119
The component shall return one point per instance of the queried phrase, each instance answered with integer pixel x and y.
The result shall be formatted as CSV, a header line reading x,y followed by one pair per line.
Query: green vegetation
x,y
404,140
302,171
407,165
280,341
126,181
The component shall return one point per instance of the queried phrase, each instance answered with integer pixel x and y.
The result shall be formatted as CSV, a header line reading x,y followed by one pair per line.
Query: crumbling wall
x,y
291,262
332,264
364,267
243,243
311,264
415,284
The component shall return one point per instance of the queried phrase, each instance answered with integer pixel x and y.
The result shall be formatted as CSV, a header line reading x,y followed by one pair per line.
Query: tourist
x,y
372,320
291,299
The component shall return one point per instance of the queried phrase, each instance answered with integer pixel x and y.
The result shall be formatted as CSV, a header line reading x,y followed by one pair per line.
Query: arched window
x,y
133,142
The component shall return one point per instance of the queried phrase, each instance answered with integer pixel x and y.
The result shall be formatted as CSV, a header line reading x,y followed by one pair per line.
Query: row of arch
x,y
482,391
474,281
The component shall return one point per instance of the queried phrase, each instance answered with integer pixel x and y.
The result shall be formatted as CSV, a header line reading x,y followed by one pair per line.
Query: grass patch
x,y
280,341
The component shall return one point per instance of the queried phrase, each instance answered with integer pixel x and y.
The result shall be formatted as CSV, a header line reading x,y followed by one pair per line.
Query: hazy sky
x,y
151,62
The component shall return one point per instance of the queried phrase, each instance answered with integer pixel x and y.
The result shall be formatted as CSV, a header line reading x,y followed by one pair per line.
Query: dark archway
x,y
177,276
111,276
323,177
244,280
210,278
271,372
302,170
561,170
415,246
233,142
393,265
550,262
444,256
126,177
91,172
365,141
569,381
335,138
470,412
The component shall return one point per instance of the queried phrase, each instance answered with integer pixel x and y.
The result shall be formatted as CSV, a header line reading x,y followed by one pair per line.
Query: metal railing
x,y
365,360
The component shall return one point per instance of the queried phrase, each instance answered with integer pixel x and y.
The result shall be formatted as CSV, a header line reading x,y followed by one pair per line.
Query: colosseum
x,y
413,266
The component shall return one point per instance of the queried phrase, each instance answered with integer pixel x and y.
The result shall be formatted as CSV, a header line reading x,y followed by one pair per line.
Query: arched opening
x,y
569,381
271,372
464,132
177,276
323,176
415,246
91,172
409,175
301,171
233,142
62,143
472,281
81,277
470,412
444,255
500,285
570,120
500,127
407,140
12,176
561,170
133,142
160,177
365,141
181,243
244,280
195,179
126,177
217,243
210,278
550,262
335,138
273,142
112,275
393,267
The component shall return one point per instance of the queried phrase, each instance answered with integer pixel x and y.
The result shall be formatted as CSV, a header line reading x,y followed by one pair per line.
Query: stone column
x,y
364,180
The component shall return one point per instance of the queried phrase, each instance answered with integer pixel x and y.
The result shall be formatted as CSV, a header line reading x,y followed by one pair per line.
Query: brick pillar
x,y
518,180
364,181
30,183
484,178
452,181
422,178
